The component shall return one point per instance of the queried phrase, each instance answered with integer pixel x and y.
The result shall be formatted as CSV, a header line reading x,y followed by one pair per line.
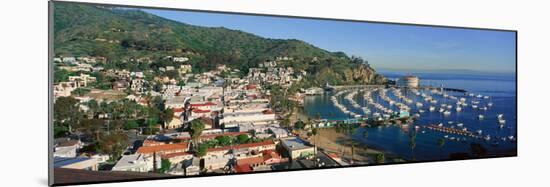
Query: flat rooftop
x,y
61,161
294,143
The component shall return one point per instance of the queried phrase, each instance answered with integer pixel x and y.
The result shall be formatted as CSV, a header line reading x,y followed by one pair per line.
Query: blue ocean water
x,y
501,88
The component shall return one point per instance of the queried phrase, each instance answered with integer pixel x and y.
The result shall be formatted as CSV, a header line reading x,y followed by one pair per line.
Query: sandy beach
x,y
331,141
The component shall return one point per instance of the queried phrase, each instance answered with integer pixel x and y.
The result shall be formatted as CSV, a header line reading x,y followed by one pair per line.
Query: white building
x,y
408,81
136,163
192,167
297,148
248,117
175,102
217,162
180,59
186,68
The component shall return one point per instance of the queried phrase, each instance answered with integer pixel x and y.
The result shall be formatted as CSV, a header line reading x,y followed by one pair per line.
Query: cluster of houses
x,y
247,157
65,88
66,155
226,106
282,76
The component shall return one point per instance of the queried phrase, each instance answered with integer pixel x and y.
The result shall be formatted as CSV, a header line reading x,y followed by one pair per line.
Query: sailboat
x,y
480,117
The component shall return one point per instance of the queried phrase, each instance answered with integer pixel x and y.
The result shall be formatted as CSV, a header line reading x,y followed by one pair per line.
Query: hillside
x,y
120,34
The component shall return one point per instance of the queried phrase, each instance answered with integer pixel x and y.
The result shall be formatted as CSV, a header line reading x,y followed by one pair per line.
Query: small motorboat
x,y
480,117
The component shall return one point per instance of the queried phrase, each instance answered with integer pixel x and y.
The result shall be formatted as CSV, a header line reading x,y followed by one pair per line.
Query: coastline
x,y
330,141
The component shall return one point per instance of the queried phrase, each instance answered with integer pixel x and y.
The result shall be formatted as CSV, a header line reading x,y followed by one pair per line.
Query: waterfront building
x,y
297,148
409,81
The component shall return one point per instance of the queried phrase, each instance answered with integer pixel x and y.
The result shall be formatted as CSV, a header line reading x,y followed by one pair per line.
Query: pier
x,y
370,86
452,131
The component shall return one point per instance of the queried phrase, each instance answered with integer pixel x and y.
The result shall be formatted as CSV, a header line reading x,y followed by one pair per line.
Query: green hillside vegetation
x,y
122,34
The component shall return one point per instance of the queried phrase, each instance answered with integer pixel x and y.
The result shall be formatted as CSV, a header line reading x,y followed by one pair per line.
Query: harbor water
x,y
497,139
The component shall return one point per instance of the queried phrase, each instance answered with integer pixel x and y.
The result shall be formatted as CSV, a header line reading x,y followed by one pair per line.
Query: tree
x,y
440,143
353,144
224,140
299,125
196,130
113,144
285,122
93,127
366,135
164,166
167,115
66,111
201,151
314,132
157,102
412,144
81,91
93,107
242,138
60,75
380,158
130,124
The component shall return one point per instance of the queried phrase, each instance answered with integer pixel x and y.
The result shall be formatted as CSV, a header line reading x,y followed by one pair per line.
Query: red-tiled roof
x,y
218,149
195,110
269,154
243,168
267,112
177,110
250,161
210,136
250,87
203,104
256,144
172,155
332,155
161,148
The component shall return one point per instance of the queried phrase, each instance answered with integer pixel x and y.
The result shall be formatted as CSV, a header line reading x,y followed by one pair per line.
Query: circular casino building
x,y
408,81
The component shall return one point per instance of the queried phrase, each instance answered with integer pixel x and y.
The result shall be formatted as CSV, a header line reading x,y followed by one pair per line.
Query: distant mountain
x,y
122,33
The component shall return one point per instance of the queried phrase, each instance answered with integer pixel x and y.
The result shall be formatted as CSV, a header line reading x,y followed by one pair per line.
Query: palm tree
x,y
380,158
352,151
196,130
366,148
366,135
412,144
440,143
314,132
286,122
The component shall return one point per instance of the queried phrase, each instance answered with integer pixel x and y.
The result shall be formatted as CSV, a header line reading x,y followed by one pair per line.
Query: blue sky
x,y
385,46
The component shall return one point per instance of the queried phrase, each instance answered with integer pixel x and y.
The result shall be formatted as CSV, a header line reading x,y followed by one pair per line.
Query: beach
x,y
330,141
